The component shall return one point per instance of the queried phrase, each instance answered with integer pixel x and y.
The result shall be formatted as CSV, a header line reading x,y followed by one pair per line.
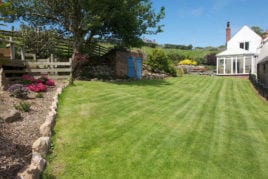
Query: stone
x,y
38,161
45,129
8,114
41,146
34,170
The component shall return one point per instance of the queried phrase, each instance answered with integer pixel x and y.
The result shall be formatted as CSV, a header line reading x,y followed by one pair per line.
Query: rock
x,y
45,129
34,170
41,146
8,114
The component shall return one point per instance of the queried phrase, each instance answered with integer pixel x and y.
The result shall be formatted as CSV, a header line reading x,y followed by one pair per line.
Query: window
x,y
244,45
241,45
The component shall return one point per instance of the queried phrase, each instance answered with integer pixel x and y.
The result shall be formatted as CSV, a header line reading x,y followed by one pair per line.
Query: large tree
x,y
258,30
126,20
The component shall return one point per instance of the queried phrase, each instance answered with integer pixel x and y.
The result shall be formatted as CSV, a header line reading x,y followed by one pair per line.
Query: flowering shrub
x,y
187,62
27,79
39,87
50,82
45,80
18,91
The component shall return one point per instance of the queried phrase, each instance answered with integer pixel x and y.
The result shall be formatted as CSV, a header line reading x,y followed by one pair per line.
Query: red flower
x,y
39,87
50,82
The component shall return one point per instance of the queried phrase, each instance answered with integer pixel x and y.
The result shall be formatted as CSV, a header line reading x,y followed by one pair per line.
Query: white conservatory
x,y
241,54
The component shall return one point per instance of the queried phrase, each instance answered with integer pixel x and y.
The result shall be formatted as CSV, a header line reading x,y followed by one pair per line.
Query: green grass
x,y
188,127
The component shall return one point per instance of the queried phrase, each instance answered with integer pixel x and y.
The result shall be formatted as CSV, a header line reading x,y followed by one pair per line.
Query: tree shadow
x,y
13,157
154,82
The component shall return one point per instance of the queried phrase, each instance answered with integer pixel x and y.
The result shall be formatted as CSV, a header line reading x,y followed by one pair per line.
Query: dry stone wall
x,y
41,146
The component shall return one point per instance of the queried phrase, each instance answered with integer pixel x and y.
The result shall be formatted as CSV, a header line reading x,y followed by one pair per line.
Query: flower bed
x,y
28,82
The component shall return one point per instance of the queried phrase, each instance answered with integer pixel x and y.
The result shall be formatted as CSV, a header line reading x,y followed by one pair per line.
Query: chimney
x,y
265,35
228,32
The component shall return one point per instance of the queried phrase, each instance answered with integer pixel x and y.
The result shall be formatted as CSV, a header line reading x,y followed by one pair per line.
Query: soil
x,y
16,138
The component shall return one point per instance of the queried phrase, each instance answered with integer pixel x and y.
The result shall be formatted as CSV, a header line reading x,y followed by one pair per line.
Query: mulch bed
x,y
16,138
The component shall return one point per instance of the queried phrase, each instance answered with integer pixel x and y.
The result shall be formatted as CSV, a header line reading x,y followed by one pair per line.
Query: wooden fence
x,y
51,67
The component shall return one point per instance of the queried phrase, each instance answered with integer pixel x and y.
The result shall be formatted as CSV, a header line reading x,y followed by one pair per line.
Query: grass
x,y
188,127
192,54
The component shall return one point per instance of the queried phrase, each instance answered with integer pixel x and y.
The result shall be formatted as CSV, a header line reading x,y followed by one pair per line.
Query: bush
x,y
23,106
187,62
39,95
158,61
18,91
175,57
39,87
27,79
211,59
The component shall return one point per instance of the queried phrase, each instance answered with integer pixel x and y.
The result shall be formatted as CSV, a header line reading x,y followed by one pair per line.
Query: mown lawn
x,y
187,127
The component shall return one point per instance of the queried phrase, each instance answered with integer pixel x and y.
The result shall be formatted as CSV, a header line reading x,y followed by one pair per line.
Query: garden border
x,y
41,146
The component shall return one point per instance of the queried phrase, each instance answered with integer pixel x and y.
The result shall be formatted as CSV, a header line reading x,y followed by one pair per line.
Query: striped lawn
x,y
187,127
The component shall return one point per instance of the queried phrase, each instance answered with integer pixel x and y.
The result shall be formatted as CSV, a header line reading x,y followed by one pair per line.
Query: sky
x,y
202,23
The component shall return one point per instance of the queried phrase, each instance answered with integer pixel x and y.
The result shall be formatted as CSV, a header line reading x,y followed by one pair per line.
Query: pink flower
x,y
39,87
50,82
28,77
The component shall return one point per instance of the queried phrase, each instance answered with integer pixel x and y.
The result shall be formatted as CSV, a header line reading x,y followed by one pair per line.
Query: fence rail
x,y
50,67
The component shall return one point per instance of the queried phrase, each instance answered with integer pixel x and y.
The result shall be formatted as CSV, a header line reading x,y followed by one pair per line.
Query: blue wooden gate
x,y
134,68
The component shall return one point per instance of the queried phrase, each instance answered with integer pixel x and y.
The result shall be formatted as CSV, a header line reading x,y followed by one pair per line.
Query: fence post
x,y
12,48
34,57
22,54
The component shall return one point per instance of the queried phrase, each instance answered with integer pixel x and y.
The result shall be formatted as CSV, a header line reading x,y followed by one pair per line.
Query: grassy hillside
x,y
195,54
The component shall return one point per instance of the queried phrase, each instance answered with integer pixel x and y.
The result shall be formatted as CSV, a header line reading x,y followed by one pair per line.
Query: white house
x,y
262,67
240,57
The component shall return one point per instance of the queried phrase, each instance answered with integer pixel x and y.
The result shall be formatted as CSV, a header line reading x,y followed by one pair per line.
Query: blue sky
x,y
202,22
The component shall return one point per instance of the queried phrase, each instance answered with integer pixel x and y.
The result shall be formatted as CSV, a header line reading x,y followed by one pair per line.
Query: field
x,y
186,127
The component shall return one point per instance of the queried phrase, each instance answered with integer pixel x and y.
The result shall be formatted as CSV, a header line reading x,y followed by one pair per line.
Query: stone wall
x,y
112,65
121,62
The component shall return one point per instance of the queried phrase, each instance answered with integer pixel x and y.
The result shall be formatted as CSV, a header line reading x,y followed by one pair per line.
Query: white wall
x,y
245,35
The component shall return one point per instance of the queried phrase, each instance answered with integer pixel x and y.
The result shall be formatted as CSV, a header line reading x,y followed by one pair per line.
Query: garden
x,y
185,127
24,107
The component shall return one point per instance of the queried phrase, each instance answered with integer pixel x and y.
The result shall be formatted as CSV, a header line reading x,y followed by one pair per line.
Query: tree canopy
x,y
258,30
126,20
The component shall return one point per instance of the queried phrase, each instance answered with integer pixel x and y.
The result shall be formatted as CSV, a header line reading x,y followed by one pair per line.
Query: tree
x,y
258,30
126,20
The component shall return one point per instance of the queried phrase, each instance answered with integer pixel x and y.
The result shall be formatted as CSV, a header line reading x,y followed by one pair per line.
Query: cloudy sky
x,y
202,22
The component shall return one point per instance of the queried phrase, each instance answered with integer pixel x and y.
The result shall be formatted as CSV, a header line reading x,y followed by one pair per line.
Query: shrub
x,y
39,87
27,79
39,95
50,82
158,61
23,106
211,59
18,91
187,62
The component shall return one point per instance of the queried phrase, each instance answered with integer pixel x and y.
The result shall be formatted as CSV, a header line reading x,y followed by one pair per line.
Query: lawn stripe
x,y
176,128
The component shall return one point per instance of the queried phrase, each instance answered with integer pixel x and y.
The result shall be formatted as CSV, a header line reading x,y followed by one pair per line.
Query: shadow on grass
x,y
154,82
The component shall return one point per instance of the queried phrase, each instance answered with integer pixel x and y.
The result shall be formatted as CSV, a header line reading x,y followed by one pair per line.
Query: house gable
x,y
245,39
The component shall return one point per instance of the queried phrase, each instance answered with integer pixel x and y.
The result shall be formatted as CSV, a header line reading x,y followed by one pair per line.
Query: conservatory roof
x,y
235,52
